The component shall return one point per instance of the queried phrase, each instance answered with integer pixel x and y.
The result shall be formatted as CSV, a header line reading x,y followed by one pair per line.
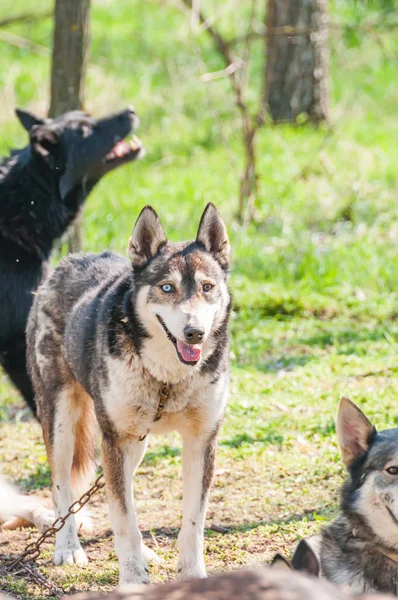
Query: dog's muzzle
x,y
188,353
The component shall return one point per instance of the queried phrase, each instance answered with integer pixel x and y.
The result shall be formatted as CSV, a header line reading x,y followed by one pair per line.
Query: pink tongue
x,y
189,352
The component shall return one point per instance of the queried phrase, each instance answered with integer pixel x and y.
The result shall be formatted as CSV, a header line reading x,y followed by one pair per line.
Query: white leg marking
x,y
190,540
120,466
67,546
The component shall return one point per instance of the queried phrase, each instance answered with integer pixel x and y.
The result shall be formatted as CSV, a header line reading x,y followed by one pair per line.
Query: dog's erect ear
x,y
146,238
28,120
280,562
354,431
212,233
45,142
304,559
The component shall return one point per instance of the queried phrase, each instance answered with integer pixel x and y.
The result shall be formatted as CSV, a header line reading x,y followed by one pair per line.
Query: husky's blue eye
x,y
167,288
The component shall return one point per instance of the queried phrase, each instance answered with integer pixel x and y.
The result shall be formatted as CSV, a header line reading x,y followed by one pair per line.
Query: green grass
x,y
314,278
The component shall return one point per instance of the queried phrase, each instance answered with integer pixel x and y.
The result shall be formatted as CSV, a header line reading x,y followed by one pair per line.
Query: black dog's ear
x,y
212,233
305,559
27,119
146,238
44,142
280,562
354,431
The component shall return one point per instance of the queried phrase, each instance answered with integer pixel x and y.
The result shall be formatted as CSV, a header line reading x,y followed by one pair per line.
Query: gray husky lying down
x,y
359,550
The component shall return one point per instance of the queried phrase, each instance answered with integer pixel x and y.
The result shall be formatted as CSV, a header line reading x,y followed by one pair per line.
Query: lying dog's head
x,y
183,297
81,149
371,457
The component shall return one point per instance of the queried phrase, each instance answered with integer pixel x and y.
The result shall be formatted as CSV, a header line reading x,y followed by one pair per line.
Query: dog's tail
x,y
84,457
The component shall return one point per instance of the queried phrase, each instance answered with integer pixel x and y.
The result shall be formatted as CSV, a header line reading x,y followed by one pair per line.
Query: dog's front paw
x,y
191,571
150,555
67,556
133,570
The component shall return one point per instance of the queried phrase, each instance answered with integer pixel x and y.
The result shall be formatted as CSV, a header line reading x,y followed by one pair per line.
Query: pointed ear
x,y
212,233
305,559
146,238
354,431
27,119
280,562
45,142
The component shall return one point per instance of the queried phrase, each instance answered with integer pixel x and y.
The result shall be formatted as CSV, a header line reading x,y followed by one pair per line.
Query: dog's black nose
x,y
194,335
131,110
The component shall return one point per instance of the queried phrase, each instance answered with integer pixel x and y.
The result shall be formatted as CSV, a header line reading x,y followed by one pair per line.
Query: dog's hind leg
x,y
120,462
72,454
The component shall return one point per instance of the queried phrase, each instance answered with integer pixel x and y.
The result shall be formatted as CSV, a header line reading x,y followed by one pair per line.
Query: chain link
x,y
32,550
34,575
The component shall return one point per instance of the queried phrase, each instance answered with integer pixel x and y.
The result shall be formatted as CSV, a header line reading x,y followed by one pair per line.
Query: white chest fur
x,y
131,399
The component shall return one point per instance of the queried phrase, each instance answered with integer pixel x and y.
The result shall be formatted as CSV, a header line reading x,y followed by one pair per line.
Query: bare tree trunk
x,y
297,60
69,61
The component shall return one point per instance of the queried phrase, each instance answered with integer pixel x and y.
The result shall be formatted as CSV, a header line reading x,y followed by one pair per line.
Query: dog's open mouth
x,y
189,354
125,150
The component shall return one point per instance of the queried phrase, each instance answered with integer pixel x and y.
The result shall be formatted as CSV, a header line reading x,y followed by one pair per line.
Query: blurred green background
x,y
314,277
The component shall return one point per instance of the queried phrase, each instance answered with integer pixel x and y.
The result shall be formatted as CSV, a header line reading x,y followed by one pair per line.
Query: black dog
x,y
42,188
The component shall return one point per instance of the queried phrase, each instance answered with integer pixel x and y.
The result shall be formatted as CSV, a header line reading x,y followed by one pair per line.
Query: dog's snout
x,y
132,117
194,335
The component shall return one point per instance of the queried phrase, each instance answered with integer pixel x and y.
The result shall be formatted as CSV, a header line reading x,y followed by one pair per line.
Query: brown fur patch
x,y
112,462
85,435
194,421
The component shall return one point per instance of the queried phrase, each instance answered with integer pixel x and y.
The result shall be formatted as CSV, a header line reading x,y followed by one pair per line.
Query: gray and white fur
x,y
359,550
105,337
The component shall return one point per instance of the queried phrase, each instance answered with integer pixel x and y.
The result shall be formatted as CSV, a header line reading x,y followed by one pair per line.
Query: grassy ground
x,y
314,279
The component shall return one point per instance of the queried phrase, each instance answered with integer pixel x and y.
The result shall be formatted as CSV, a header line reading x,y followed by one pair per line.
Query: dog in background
x,y
359,550
22,510
135,347
42,189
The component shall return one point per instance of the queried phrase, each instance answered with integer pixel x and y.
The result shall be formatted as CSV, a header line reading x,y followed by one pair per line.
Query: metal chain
x,y
35,575
32,550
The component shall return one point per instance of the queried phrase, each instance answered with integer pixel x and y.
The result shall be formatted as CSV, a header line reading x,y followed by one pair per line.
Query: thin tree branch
x,y
27,17
20,42
246,52
223,73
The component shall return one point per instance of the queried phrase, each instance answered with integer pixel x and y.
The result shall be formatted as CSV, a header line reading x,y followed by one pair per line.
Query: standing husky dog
x,y
143,347
42,189
360,548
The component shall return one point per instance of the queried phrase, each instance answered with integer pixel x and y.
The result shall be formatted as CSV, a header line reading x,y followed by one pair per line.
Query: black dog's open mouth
x,y
125,151
189,354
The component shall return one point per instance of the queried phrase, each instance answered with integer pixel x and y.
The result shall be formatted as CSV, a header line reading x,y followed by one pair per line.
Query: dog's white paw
x,y
133,570
134,578
150,555
193,571
74,556
42,518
